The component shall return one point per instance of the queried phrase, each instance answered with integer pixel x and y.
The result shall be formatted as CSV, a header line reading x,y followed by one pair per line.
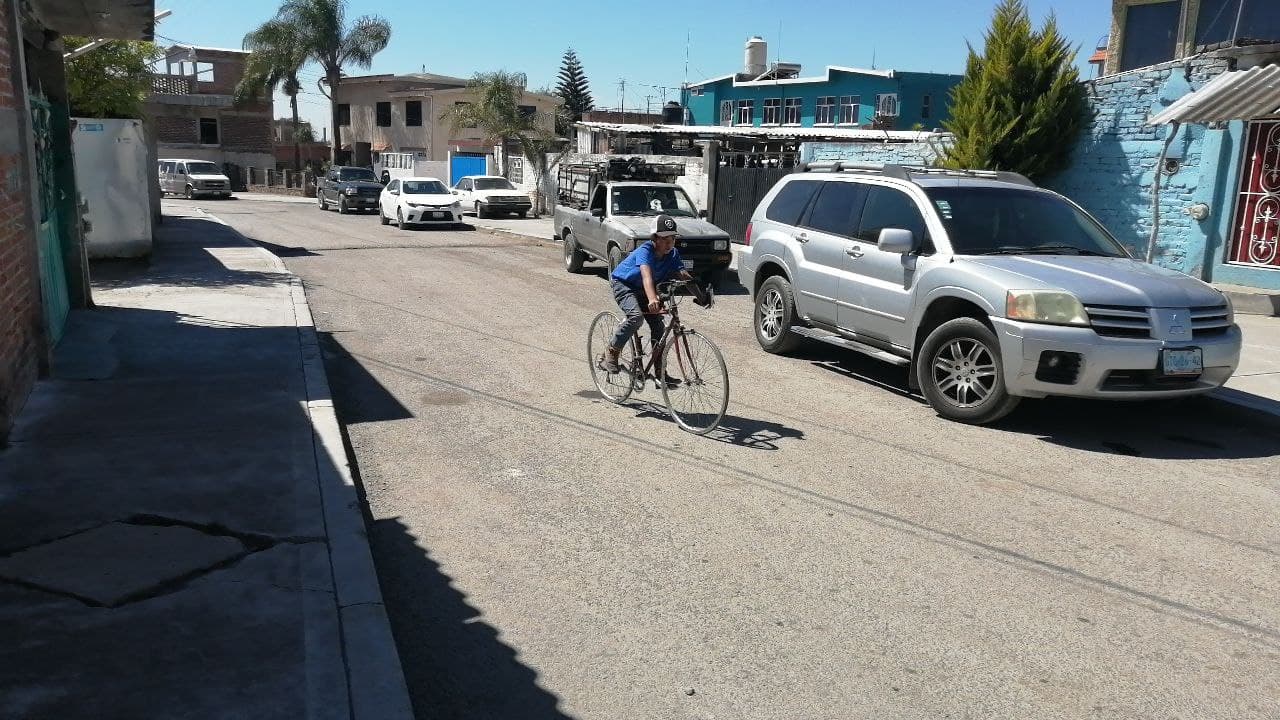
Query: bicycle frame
x,y
673,331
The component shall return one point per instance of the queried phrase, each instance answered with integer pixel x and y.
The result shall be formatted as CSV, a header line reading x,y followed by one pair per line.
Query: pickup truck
x,y
619,217
350,188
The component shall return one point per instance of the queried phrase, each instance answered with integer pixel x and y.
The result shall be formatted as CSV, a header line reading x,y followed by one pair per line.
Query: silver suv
x,y
990,288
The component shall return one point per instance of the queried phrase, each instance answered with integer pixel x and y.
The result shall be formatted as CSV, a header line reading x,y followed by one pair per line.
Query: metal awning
x,y
1238,95
111,19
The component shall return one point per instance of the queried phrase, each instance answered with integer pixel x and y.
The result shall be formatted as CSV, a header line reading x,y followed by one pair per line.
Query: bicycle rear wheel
x,y
615,387
700,396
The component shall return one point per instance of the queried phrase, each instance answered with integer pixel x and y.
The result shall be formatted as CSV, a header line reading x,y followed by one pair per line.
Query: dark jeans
x,y
633,304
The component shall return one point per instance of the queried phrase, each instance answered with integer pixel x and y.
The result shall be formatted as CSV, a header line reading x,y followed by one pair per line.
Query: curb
x,y
375,678
1252,302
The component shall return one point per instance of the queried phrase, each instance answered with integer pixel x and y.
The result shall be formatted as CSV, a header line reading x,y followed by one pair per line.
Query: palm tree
x,y
322,33
275,57
494,109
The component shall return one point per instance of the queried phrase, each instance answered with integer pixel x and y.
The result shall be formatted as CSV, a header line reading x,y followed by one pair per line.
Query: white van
x,y
192,178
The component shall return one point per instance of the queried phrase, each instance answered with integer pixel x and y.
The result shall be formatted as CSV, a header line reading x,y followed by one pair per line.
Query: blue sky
x,y
644,43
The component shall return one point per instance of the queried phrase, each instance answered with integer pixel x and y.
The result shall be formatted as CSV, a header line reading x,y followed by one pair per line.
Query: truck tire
x,y
774,314
320,201
573,257
479,211
342,206
961,373
615,258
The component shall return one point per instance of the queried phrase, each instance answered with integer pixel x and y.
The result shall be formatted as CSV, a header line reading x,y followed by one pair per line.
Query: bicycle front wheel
x,y
697,391
615,387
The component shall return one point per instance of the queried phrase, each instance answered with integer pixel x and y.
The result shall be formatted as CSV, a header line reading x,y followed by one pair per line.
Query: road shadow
x,y
859,367
1197,428
283,251
733,430
364,398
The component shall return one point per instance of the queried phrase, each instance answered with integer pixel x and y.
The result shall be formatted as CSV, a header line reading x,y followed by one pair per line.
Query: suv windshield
x,y
349,174
202,168
1004,221
494,184
656,200
424,187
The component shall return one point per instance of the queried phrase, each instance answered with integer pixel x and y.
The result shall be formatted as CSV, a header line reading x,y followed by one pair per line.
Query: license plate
x,y
688,264
1188,361
437,215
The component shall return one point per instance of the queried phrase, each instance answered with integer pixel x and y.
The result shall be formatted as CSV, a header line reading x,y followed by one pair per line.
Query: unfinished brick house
x,y
192,111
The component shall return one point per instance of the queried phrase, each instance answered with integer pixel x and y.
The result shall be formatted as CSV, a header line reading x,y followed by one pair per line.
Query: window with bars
x,y
772,111
383,111
791,111
413,113
849,109
746,112
726,112
926,107
826,111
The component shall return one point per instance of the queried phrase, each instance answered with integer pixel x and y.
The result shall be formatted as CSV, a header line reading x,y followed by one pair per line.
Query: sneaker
x,y
609,363
670,381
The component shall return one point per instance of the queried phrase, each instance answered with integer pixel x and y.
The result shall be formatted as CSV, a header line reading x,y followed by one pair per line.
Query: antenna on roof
x,y
873,58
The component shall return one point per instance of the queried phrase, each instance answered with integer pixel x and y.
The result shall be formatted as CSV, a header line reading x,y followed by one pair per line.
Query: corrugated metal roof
x,y
1238,95
770,132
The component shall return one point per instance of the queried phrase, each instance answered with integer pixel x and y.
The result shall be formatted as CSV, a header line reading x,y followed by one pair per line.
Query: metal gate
x,y
1257,225
53,276
461,165
738,191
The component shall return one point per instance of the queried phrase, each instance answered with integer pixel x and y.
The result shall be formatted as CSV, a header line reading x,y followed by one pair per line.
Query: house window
x,y
772,111
726,112
887,105
383,111
208,131
413,113
517,170
697,92
926,107
849,109
527,111
344,114
791,111
746,112
826,114
1216,21
1150,34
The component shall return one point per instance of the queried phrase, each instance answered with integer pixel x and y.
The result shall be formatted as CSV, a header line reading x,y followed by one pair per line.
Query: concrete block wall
x,y
21,325
872,153
1114,160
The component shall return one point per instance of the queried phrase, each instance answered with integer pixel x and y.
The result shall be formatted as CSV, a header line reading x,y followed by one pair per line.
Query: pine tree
x,y
1020,105
574,89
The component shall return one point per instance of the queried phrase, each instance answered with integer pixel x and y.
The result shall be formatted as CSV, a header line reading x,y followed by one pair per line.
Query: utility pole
x,y
622,98
648,105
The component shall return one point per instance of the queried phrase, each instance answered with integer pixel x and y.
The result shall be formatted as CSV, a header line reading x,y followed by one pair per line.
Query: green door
x,y
53,275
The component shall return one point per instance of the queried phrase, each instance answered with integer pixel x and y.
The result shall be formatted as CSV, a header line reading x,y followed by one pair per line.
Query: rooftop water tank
x,y
755,59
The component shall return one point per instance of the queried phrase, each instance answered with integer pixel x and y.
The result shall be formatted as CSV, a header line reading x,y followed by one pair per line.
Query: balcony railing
x,y
172,85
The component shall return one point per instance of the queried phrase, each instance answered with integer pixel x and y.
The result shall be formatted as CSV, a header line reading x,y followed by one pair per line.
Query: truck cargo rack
x,y
905,172
578,180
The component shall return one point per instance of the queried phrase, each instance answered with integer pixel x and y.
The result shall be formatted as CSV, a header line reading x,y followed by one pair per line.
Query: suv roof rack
x,y
904,172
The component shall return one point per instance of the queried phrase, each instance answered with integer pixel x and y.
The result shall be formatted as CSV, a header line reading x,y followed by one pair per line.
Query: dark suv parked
x,y
350,188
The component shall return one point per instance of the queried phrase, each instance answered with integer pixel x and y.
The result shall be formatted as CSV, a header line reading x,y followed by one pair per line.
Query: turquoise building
x,y
777,95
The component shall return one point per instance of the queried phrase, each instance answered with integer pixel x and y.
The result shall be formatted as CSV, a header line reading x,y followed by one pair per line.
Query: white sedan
x,y
419,201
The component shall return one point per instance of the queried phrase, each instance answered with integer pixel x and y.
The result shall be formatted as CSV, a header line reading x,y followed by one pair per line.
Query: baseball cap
x,y
664,226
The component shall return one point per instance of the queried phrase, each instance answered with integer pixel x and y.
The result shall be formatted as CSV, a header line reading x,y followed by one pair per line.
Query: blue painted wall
x,y
1113,168
704,109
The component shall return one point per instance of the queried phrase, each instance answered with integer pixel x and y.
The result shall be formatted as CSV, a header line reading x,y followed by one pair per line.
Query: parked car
x,y
350,188
193,178
989,288
418,201
598,218
488,195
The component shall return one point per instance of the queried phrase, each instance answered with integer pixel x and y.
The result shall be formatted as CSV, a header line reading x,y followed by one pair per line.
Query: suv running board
x,y
844,342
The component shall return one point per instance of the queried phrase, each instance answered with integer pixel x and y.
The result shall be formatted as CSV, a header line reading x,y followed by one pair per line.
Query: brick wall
x,y
246,133
20,321
1113,161
871,153
171,129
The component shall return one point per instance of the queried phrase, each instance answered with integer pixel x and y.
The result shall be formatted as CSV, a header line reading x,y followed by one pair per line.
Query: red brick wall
x,y
170,129
246,133
20,314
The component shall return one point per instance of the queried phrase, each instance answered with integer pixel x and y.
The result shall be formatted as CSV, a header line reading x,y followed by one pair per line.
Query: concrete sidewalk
x,y
179,532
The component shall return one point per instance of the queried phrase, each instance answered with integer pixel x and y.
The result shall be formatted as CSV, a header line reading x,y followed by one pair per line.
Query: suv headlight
x,y
351,191
720,245
1045,306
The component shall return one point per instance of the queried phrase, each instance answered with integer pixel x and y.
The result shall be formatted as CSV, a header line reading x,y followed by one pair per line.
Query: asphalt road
x,y
837,551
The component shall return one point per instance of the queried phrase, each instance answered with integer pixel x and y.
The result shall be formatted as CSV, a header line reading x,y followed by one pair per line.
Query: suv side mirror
x,y
896,240
597,212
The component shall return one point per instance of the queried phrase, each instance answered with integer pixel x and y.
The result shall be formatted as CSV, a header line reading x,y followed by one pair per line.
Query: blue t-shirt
x,y
662,268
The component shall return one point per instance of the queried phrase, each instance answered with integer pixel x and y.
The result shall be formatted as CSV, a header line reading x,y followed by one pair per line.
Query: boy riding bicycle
x,y
634,283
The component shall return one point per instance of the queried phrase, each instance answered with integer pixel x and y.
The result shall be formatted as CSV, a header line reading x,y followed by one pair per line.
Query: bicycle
x,y
699,394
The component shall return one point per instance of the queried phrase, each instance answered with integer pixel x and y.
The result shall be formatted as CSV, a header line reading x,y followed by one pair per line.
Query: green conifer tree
x,y
574,89
1020,105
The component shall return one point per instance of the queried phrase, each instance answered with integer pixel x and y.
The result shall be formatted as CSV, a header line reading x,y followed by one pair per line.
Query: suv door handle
x,y
854,251
802,237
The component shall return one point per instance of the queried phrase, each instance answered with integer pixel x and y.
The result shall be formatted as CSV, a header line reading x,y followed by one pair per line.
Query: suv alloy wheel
x,y
961,374
775,313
